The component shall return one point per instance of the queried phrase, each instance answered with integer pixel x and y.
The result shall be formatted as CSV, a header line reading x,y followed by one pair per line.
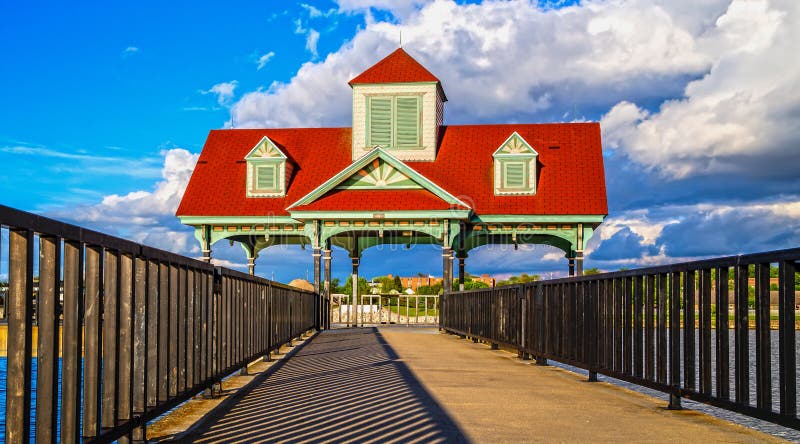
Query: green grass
x,y
431,312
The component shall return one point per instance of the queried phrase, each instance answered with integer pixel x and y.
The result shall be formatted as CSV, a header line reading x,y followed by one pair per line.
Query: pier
x,y
127,333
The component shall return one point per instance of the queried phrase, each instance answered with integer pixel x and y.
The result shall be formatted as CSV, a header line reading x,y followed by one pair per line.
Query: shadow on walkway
x,y
344,386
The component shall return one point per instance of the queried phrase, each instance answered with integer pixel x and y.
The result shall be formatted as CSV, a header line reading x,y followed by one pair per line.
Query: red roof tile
x,y
570,178
397,67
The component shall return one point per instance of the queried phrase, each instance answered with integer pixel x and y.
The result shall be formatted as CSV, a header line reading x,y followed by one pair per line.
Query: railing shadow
x,y
344,386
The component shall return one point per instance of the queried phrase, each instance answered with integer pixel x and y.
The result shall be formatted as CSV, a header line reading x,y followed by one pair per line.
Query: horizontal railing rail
x,y
133,331
696,330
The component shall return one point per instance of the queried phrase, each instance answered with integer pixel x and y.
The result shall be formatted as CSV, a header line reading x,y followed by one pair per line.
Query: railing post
x,y
787,370
20,331
591,298
541,321
71,344
674,340
48,322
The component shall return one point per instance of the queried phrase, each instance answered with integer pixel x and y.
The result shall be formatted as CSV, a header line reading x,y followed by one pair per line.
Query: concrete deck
x,y
400,384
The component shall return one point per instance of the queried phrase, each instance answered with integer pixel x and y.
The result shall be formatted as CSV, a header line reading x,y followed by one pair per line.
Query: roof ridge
x,y
397,67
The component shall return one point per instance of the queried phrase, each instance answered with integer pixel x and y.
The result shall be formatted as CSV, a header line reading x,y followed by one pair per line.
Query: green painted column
x,y
326,258
251,265
579,252
571,266
206,243
447,269
353,318
317,257
462,256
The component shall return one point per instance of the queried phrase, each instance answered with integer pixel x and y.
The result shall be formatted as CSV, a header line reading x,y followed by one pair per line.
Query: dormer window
x,y
394,121
515,167
267,170
266,178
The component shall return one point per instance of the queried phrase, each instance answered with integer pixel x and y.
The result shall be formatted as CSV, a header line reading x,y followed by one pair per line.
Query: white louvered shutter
x,y
407,121
380,121
514,175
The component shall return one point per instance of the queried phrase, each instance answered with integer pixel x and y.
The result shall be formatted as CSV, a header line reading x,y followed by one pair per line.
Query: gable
x,y
265,149
377,166
515,145
378,175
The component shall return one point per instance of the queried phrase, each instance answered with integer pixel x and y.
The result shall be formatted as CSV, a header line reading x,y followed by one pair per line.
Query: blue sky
x,y
105,108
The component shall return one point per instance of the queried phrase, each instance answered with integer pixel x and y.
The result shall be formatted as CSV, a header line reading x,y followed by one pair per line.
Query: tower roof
x,y
397,67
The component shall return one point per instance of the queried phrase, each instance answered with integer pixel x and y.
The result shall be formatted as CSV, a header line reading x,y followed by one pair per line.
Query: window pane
x,y
265,177
380,121
408,121
514,175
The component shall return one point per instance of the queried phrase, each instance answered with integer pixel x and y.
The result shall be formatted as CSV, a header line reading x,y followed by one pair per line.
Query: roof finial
x,y
401,38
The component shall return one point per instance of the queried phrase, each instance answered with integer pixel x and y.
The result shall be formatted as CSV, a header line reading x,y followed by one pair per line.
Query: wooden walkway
x,y
343,386
399,384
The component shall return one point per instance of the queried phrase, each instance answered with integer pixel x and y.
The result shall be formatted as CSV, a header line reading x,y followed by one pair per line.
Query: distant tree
x,y
521,279
387,284
335,282
347,288
470,285
398,284
590,271
430,289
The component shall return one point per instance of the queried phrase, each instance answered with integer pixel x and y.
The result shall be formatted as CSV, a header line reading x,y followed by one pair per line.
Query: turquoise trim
x,y
561,241
376,153
531,153
524,218
219,220
371,215
266,140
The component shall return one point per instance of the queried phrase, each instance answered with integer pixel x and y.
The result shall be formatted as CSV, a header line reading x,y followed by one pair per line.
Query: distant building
x,y
415,282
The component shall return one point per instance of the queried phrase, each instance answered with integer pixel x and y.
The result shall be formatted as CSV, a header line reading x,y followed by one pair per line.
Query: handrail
x,y
141,329
630,325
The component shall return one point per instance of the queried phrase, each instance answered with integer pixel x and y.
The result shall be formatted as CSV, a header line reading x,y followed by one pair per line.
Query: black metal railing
x,y
138,330
704,330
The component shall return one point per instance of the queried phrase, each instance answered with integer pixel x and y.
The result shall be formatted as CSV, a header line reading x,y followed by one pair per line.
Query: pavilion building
x,y
399,175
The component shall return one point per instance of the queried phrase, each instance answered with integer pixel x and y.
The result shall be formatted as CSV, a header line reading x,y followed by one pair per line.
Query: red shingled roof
x,y
570,177
397,67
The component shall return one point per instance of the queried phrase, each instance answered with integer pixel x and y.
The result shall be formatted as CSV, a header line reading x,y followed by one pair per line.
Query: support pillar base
x,y
674,402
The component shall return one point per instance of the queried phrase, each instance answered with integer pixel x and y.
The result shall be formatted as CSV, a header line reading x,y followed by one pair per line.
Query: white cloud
x,y
398,8
80,162
594,54
314,12
130,50
311,42
264,59
224,91
145,216
741,107
636,221
738,118
674,233
226,263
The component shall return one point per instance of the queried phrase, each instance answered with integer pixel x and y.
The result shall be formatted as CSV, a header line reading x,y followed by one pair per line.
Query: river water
x,y
764,426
